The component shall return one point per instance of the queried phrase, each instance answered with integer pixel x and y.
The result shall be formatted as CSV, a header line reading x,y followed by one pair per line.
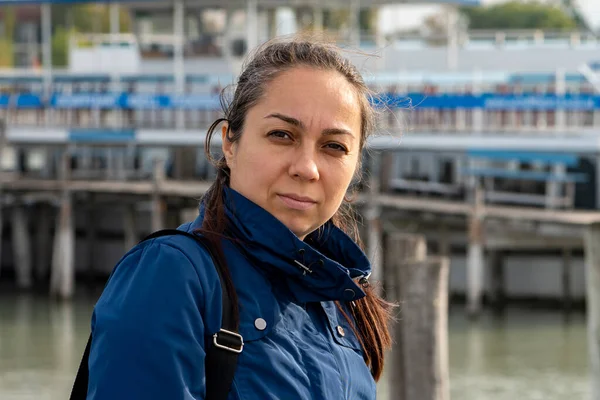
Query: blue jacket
x,y
151,325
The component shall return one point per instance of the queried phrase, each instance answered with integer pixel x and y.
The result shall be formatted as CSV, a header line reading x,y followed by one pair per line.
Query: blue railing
x,y
142,101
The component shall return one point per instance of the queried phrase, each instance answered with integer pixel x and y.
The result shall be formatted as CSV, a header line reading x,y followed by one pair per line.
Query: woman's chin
x,y
300,228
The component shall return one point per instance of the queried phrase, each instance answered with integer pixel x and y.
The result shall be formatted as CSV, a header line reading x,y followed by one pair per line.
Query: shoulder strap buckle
x,y
230,341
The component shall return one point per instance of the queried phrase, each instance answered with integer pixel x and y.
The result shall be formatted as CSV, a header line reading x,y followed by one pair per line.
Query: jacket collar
x,y
323,267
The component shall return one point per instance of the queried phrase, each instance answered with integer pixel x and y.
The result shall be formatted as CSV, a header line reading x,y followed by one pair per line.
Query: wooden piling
x,y
566,280
2,146
475,260
22,247
497,282
425,334
91,233
592,269
130,227
42,242
158,203
372,215
62,276
420,367
1,224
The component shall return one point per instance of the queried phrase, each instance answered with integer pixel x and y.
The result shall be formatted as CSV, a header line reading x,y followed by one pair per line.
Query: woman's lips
x,y
297,202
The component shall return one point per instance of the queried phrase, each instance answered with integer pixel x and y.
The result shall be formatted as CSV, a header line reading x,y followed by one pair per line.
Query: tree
x,y
6,38
69,20
518,15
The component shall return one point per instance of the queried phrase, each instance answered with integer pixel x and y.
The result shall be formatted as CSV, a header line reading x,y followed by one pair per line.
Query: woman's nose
x,y
304,166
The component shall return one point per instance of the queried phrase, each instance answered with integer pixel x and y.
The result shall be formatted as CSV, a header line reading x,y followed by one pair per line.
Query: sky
x,y
411,16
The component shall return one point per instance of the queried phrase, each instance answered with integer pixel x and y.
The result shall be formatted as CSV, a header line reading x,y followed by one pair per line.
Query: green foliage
x,y
6,53
82,18
60,47
88,18
337,18
7,59
519,15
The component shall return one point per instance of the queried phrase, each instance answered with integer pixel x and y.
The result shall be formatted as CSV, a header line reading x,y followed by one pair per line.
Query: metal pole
x,y
318,19
47,53
355,23
115,27
561,90
2,144
592,76
452,49
178,60
251,25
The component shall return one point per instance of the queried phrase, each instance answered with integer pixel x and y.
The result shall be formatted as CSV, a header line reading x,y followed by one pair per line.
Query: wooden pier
x,y
490,229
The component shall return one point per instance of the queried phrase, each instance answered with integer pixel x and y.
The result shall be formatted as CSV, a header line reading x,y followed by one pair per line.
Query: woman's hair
x,y
371,313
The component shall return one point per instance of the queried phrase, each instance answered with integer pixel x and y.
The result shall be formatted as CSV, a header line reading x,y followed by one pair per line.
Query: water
x,y
527,355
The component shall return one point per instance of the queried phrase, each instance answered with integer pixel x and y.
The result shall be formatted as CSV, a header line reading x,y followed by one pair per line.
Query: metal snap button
x,y
341,331
260,324
349,294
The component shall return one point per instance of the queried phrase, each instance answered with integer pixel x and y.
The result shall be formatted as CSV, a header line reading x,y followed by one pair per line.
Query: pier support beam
x,y
42,242
158,203
497,286
131,237
566,280
62,277
475,260
22,247
1,225
2,146
372,215
592,269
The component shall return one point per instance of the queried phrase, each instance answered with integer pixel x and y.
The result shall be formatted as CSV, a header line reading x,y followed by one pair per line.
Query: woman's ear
x,y
227,145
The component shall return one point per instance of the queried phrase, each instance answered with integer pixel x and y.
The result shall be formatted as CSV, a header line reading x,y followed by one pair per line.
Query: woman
x,y
311,325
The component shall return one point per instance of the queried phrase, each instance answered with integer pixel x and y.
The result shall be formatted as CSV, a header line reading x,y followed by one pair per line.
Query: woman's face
x,y
299,149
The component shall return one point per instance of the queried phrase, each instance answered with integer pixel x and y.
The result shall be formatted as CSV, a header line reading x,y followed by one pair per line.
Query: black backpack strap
x,y
221,355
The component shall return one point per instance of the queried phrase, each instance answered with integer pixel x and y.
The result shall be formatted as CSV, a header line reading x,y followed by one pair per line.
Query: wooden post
x,y
91,234
424,286
42,242
372,215
401,248
475,257
419,362
420,354
62,276
566,280
2,146
158,204
592,269
130,228
444,246
22,247
1,224
497,287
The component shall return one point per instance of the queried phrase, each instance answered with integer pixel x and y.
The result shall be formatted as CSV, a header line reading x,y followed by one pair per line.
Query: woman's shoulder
x,y
178,253
168,267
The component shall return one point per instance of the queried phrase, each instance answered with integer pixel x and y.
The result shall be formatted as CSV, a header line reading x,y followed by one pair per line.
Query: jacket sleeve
x,y
148,330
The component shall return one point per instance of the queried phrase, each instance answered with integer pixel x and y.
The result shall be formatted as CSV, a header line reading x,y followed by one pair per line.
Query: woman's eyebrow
x,y
288,119
297,123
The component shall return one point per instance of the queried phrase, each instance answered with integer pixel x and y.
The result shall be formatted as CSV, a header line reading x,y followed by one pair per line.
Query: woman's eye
x,y
280,134
337,147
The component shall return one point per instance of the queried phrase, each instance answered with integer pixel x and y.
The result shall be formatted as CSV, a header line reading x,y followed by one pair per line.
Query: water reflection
x,y
525,355
40,346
